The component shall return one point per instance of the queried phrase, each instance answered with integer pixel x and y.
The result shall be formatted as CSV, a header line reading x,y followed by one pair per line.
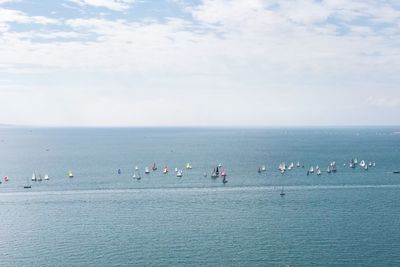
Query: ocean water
x,y
102,218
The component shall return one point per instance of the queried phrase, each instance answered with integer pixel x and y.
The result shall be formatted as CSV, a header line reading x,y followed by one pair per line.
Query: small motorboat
x,y
396,172
27,184
263,168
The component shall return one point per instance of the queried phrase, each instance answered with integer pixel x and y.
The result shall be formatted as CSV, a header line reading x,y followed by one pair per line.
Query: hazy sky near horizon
x,y
200,62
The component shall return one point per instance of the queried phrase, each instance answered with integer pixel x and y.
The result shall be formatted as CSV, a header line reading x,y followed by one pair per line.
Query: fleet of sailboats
x,y
219,172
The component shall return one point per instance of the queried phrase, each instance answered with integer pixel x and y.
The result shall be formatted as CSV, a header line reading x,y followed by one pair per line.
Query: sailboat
x,y
119,171
259,170
214,174
363,164
33,177
179,173
205,174
282,192
220,165
298,164
39,178
223,173
5,178
136,168
136,175
318,172
46,177
224,181
154,168
188,166
70,174
27,184
333,166
217,171
311,169
165,171
328,170
146,170
352,164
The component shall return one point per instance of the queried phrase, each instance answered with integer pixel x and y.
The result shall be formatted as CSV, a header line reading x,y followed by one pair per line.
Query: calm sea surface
x,y
102,218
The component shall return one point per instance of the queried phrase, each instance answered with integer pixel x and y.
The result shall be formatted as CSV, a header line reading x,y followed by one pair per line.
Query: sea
x,y
103,218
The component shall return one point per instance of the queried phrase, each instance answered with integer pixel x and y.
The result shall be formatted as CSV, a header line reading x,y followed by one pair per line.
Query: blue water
x,y
100,218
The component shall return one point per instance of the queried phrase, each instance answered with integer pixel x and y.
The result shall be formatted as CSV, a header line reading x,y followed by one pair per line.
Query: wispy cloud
x,y
384,102
116,5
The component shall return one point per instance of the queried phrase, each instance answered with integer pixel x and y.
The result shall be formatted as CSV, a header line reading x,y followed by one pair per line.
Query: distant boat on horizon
x,y
70,174
27,184
282,192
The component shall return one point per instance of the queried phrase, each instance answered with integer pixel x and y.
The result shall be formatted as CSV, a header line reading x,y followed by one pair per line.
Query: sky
x,y
199,62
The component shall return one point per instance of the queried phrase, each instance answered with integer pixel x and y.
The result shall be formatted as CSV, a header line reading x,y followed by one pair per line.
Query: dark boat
x,y
282,193
396,172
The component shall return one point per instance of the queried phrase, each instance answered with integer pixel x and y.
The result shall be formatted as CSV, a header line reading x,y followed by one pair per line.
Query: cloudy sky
x,y
199,62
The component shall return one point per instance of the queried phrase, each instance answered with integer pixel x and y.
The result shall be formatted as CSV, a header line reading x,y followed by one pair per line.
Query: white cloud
x,y
245,62
9,15
383,102
116,5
